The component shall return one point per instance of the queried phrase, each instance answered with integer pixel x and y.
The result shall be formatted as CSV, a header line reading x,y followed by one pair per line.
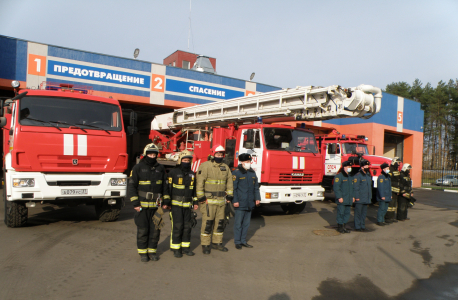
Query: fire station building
x,y
186,79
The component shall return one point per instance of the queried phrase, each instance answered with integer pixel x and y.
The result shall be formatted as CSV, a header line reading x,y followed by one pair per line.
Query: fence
x,y
435,179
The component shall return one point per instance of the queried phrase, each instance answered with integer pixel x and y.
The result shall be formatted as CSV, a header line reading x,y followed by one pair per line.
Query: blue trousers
x,y
360,215
382,209
241,224
343,213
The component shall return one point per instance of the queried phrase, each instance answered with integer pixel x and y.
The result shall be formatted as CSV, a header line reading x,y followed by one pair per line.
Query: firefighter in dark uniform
x,y
383,193
390,216
146,188
362,188
343,189
182,200
406,193
246,197
214,188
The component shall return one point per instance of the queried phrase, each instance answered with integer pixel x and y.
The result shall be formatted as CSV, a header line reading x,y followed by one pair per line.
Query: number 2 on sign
x,y
158,83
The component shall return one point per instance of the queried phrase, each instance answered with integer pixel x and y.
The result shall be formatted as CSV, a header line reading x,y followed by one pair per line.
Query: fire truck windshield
x,y
66,112
353,148
294,140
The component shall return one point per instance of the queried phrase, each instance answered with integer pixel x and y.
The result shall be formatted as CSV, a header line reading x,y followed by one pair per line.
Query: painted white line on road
x,y
451,191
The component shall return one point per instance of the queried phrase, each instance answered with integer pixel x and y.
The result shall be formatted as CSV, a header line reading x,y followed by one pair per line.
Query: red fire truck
x,y
63,146
286,159
337,148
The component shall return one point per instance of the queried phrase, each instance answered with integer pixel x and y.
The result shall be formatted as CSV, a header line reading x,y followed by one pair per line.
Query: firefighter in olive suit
x,y
214,189
146,189
406,193
362,188
181,181
390,216
343,189
383,194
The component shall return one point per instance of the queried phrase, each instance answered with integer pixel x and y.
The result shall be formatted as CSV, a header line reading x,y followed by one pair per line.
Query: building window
x,y
186,64
174,63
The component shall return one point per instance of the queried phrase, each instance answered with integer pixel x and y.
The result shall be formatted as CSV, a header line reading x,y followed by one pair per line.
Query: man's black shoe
x,y
177,253
144,257
206,249
340,228
188,252
385,223
380,224
358,229
247,245
219,247
153,256
238,246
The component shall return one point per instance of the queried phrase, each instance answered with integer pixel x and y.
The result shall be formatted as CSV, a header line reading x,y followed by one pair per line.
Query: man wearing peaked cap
x,y
246,197
362,188
343,189
383,194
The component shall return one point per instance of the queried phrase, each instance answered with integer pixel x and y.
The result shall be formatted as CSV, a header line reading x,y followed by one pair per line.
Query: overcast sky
x,y
287,43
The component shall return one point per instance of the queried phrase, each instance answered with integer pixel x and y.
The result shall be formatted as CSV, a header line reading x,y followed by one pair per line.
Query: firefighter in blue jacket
x,y
343,189
246,197
362,188
383,194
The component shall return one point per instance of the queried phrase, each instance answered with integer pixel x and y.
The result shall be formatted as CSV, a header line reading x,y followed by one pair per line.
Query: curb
x,y
451,191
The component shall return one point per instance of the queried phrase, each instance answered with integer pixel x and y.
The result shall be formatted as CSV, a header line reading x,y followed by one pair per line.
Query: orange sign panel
x,y
37,65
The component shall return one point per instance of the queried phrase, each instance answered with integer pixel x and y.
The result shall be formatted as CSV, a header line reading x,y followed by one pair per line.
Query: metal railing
x,y
440,179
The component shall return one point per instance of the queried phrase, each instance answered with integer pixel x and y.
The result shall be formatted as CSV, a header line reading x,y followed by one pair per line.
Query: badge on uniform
x,y
381,180
355,180
222,168
337,179
180,180
234,177
170,179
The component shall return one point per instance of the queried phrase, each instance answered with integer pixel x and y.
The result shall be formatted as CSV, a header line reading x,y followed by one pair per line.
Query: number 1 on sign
x,y
38,64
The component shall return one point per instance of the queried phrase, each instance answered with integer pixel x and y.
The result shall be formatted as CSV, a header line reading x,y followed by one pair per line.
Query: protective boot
x,y
153,256
188,251
144,257
206,249
177,253
219,247
340,228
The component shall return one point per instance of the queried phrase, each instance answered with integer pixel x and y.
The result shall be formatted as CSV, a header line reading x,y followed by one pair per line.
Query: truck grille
x,y
73,183
290,178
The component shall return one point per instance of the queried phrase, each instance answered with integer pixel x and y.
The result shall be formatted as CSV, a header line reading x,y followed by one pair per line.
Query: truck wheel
x,y
300,207
106,212
15,213
289,208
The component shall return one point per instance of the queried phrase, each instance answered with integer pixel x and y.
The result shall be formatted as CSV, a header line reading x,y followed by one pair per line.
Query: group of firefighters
x,y
151,190
393,194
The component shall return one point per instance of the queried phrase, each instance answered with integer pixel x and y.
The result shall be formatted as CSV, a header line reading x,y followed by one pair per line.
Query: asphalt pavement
x,y
65,253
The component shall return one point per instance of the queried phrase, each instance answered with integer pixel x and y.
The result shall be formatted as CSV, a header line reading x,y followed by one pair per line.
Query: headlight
x,y
271,195
26,182
118,181
15,83
320,194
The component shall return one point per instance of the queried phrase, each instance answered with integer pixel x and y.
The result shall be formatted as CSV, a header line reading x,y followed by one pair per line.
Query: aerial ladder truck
x,y
286,159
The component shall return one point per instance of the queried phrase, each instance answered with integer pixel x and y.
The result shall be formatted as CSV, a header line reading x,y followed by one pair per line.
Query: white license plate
x,y
301,195
74,192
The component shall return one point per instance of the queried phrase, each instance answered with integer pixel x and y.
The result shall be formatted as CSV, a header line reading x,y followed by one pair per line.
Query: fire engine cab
x,y
63,146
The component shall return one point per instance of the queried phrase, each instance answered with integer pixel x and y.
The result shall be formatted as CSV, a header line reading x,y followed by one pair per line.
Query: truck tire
x,y
15,213
106,212
293,208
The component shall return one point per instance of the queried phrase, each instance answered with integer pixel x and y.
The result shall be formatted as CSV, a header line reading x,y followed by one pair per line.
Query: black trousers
x,y
181,227
392,205
402,208
147,234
